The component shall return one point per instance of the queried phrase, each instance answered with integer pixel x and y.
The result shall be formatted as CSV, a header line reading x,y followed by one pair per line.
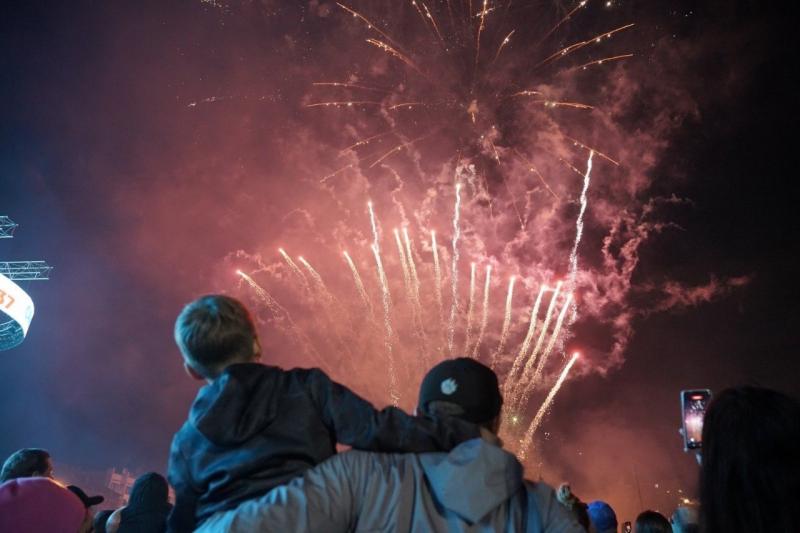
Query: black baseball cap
x,y
467,383
88,501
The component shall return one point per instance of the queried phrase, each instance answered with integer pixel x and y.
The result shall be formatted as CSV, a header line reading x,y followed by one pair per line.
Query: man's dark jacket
x,y
256,427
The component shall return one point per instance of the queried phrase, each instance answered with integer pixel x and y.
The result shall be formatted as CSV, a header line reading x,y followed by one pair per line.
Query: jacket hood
x,y
237,405
473,479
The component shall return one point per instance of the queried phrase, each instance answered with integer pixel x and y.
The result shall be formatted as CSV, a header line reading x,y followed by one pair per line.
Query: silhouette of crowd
x,y
258,453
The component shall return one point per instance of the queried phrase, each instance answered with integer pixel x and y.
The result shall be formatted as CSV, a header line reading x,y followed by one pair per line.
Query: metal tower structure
x,y
15,304
7,227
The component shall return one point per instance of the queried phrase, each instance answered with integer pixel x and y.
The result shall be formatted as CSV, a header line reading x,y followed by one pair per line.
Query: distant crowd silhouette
x,y
258,453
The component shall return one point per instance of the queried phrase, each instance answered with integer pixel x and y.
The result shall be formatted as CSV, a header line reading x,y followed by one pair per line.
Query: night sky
x,y
149,149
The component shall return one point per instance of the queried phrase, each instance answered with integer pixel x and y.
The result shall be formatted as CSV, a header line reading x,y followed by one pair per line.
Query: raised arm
x,y
355,422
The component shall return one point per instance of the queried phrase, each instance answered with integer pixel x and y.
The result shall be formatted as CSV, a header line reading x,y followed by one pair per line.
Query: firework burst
x,y
445,90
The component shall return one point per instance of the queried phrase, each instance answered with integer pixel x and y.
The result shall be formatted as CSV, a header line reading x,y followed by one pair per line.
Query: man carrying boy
x,y
477,486
254,427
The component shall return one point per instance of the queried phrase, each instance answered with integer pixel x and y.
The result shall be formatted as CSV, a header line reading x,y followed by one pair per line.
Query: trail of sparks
x,y
387,306
470,308
396,149
506,321
294,268
405,105
374,225
485,315
576,142
437,276
282,314
387,322
349,86
433,23
526,344
266,297
362,292
577,46
451,328
397,54
573,256
417,306
317,279
531,381
480,30
601,61
345,103
369,24
535,171
503,44
548,102
413,300
548,402
365,141
334,174
532,359
562,21
412,266
404,265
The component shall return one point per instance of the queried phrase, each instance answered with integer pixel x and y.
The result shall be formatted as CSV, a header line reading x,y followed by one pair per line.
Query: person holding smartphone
x,y
750,472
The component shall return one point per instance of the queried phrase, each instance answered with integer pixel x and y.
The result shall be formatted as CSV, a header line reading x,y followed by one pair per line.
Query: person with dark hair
x,y
652,522
254,427
100,520
477,486
147,509
27,462
750,471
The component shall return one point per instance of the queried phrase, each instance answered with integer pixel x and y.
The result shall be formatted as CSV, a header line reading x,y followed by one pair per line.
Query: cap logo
x,y
449,386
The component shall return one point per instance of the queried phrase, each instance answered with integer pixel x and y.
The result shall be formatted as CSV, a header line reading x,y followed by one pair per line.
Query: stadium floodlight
x,y
15,303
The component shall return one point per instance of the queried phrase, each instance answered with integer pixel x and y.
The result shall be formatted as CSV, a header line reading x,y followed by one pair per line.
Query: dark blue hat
x,y
602,516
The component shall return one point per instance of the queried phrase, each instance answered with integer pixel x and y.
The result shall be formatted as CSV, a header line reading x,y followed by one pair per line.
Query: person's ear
x,y
192,373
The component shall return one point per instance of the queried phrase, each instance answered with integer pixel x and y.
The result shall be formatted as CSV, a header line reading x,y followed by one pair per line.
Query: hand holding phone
x,y
693,408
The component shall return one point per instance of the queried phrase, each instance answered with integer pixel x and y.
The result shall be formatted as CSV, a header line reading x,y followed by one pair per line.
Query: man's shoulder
x,y
375,462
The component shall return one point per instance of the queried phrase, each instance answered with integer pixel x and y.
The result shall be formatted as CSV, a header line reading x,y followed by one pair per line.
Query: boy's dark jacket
x,y
256,427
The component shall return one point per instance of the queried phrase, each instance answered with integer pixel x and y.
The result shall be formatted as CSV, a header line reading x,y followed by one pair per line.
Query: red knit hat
x,y
39,505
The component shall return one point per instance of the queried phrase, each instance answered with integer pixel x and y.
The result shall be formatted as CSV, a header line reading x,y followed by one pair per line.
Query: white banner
x,y
16,303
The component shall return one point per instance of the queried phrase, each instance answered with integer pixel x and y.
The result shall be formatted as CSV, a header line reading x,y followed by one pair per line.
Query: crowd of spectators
x,y
258,453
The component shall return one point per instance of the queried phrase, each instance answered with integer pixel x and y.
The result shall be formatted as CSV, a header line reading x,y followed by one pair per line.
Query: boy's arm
x,y
355,422
321,500
182,516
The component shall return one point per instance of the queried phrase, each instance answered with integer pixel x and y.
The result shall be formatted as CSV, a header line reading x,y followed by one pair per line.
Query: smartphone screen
x,y
693,406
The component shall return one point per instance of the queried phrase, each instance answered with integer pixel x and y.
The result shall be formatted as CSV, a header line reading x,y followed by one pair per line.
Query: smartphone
x,y
627,527
693,408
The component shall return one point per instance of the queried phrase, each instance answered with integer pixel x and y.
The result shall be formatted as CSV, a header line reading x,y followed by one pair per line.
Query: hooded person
x,y
41,505
477,486
147,509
